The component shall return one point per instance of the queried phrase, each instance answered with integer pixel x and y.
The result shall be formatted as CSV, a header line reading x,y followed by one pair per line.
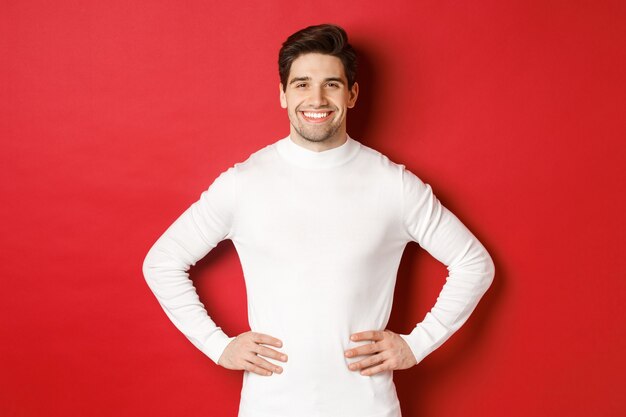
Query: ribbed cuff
x,y
216,344
426,337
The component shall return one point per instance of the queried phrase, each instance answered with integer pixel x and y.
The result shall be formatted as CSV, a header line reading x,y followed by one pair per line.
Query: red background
x,y
116,115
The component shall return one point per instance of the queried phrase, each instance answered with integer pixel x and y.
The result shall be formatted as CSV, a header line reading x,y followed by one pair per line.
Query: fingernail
x,y
284,358
348,353
279,370
352,366
352,337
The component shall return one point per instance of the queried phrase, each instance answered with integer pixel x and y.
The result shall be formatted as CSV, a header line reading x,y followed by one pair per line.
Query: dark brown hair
x,y
324,39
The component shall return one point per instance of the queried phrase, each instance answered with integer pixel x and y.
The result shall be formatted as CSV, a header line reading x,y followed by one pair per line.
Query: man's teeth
x,y
315,115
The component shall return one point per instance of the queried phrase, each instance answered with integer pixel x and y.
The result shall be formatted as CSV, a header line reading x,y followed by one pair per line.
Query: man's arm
x,y
471,271
198,230
470,268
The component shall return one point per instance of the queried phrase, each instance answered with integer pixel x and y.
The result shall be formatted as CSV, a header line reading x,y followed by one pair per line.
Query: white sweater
x,y
319,236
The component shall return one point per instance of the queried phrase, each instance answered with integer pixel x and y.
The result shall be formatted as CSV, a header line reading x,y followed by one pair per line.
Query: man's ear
x,y
283,99
354,93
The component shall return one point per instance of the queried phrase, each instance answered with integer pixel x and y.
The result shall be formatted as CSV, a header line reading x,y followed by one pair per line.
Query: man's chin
x,y
316,137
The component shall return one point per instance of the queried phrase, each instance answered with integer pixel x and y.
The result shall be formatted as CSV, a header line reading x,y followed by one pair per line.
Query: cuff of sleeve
x,y
425,337
216,344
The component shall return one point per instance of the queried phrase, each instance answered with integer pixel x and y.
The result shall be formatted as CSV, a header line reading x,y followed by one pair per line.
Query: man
x,y
320,222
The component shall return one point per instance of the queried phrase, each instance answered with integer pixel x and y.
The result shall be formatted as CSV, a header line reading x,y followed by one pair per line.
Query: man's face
x,y
317,98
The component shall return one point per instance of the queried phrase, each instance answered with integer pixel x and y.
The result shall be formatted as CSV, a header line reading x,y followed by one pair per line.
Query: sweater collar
x,y
306,158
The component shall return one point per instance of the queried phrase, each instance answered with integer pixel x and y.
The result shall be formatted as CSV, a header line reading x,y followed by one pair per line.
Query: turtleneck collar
x,y
306,158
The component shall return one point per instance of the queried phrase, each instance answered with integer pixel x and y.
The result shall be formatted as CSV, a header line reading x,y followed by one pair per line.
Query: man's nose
x,y
318,97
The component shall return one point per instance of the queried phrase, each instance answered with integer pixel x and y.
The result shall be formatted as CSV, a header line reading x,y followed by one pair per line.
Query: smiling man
x,y
320,222
317,96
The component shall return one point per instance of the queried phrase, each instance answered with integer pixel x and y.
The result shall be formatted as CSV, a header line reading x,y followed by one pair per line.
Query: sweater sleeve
x,y
470,268
198,230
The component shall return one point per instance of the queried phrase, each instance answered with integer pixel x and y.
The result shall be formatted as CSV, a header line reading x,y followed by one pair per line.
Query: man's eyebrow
x,y
298,79
295,80
336,79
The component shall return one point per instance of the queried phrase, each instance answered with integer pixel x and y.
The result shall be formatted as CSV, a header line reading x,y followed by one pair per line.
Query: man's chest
x,y
322,215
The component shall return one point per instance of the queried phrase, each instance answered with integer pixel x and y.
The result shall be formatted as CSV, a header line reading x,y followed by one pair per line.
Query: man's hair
x,y
324,39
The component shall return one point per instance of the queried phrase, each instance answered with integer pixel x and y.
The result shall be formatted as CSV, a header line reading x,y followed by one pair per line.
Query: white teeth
x,y
315,115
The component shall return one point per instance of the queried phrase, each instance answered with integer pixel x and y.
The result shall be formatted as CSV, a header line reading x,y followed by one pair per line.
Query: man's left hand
x,y
388,351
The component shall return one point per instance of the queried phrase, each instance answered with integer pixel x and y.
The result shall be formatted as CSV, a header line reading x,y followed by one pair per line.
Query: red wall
x,y
116,115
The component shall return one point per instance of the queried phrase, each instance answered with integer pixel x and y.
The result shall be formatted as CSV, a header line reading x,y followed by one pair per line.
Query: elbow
x,y
160,268
481,266
148,267
489,270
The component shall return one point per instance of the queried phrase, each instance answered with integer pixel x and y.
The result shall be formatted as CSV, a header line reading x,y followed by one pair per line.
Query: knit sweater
x,y
320,236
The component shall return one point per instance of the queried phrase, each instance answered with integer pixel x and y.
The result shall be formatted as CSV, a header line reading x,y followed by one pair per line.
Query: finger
x,y
376,369
367,335
270,353
250,367
262,363
363,350
266,339
372,360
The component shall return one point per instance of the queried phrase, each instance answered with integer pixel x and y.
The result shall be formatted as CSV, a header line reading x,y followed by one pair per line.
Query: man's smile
x,y
316,116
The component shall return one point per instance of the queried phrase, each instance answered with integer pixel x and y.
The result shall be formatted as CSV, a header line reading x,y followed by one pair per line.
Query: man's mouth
x,y
316,116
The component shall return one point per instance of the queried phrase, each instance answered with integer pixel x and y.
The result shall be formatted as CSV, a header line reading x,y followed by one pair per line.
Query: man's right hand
x,y
244,353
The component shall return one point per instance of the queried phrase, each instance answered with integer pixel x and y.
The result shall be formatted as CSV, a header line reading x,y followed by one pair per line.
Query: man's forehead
x,y
317,66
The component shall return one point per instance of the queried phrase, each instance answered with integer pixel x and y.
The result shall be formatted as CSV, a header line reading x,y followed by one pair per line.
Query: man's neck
x,y
335,141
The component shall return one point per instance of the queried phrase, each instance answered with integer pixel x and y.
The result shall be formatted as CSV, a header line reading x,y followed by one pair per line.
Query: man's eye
x,y
301,85
333,85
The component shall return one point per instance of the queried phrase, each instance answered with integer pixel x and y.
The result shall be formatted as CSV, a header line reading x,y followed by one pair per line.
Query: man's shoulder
x,y
378,162
262,158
